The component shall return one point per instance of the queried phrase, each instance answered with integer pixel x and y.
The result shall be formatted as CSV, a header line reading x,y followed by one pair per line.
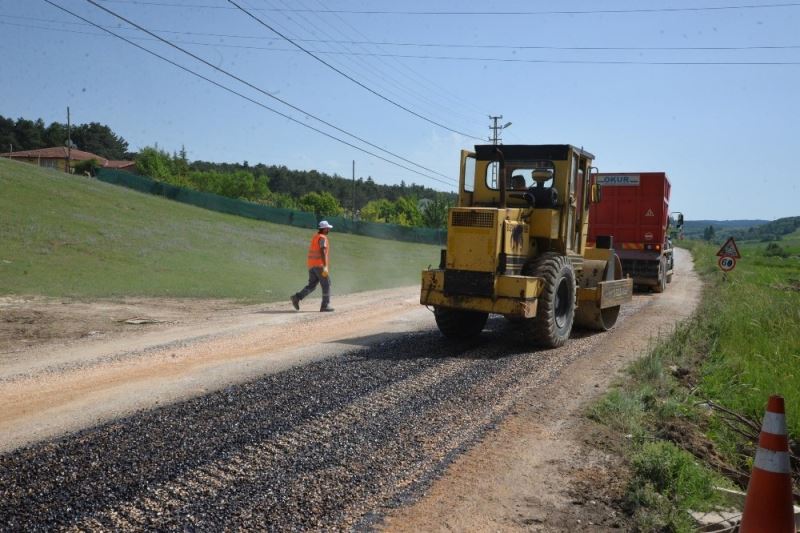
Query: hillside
x,y
743,230
695,228
74,236
771,231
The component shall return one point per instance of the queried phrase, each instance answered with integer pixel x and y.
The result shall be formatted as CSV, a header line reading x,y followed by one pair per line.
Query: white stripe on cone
x,y
769,461
774,423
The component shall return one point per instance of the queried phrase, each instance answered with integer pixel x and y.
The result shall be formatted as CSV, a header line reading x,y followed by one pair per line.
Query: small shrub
x,y
774,249
667,482
89,166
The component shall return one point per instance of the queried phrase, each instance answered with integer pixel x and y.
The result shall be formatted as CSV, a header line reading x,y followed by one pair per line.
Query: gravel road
x,y
335,443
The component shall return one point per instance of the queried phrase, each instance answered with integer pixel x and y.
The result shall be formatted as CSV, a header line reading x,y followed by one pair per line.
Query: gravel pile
x,y
330,445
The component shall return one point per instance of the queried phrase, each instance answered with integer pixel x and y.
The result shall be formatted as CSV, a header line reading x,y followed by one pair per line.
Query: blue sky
x,y
726,134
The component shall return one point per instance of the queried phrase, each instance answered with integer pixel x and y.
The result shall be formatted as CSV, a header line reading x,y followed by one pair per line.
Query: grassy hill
x,y
771,231
695,228
72,236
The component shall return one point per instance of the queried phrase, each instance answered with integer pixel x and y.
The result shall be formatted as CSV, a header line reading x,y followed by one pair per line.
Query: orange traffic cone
x,y
768,505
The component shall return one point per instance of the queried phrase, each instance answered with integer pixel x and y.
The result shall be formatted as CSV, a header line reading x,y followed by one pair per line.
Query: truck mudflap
x,y
514,296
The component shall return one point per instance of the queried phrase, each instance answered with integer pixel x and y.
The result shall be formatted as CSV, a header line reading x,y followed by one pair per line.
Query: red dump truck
x,y
635,212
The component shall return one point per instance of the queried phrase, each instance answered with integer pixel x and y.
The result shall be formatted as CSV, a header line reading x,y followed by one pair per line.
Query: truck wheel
x,y
555,311
459,324
662,277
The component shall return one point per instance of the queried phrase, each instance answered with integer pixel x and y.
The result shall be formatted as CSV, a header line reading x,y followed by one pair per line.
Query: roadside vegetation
x,y
71,236
310,191
273,185
692,407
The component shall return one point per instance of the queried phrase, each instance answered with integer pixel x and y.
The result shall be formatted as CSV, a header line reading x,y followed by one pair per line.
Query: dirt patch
x,y
27,322
62,379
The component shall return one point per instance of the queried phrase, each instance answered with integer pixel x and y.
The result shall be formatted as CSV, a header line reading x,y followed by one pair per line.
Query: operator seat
x,y
544,197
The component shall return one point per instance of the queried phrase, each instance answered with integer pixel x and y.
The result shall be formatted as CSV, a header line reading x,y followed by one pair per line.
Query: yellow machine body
x,y
494,235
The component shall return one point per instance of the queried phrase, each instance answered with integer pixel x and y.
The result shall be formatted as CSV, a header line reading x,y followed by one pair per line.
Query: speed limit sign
x,y
726,263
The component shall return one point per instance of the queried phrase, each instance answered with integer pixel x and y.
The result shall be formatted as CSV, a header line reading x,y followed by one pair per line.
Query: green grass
x,y
753,320
742,345
70,236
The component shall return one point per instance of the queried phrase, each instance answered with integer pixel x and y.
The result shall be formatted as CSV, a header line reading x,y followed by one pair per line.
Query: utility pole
x,y
69,143
496,130
495,139
354,190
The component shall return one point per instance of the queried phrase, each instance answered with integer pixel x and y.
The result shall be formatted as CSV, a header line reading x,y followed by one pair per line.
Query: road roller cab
x,y
516,246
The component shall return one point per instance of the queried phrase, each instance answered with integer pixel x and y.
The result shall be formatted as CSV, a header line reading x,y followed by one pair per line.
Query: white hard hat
x,y
324,225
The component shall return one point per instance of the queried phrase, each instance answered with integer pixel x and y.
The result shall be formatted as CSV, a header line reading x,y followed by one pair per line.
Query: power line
x,y
260,104
394,75
408,44
262,91
453,58
479,13
379,95
449,97
359,66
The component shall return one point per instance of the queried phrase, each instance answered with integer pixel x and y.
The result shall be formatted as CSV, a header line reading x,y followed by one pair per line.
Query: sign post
x,y
728,255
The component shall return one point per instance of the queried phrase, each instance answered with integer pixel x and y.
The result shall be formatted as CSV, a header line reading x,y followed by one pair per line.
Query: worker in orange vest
x,y
318,253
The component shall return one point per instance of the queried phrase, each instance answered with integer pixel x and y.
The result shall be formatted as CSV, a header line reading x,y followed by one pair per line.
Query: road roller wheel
x,y
555,311
459,324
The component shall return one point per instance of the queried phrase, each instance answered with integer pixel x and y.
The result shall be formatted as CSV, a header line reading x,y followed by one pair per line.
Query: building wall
x,y
58,164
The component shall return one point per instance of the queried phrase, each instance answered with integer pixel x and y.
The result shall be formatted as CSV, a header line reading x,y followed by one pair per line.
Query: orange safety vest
x,y
315,251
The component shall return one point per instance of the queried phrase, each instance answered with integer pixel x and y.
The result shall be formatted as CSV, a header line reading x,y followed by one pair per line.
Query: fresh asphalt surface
x,y
331,444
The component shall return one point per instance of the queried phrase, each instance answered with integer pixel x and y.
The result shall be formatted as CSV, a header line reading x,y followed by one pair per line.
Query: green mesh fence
x,y
276,215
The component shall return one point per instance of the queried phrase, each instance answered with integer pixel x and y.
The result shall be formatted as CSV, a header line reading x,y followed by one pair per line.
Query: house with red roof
x,y
57,157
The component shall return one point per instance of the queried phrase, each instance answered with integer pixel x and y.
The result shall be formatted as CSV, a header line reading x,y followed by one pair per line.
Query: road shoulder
x,y
547,467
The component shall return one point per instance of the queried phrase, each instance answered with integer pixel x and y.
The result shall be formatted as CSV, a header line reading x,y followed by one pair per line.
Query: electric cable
x,y
256,88
449,97
379,95
397,87
413,44
453,58
357,66
487,13
256,102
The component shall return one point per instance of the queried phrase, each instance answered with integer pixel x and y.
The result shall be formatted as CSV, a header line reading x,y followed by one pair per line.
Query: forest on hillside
x,y
23,134
306,190
718,231
273,185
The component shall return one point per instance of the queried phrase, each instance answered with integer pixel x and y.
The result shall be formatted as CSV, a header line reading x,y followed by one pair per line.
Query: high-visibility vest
x,y
315,251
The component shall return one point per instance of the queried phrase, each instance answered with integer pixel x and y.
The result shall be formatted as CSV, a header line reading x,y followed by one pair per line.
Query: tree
x,y
434,212
406,212
8,137
99,139
155,164
323,204
378,211
55,135
708,233
29,134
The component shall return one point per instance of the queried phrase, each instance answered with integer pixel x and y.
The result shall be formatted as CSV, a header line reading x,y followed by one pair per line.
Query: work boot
x,y
325,309
296,302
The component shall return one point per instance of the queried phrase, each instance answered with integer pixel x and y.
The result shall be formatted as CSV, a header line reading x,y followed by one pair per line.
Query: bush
x,y
667,482
774,249
322,204
89,166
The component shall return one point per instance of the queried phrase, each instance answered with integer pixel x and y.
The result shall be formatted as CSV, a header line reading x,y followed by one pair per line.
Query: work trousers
x,y
315,278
